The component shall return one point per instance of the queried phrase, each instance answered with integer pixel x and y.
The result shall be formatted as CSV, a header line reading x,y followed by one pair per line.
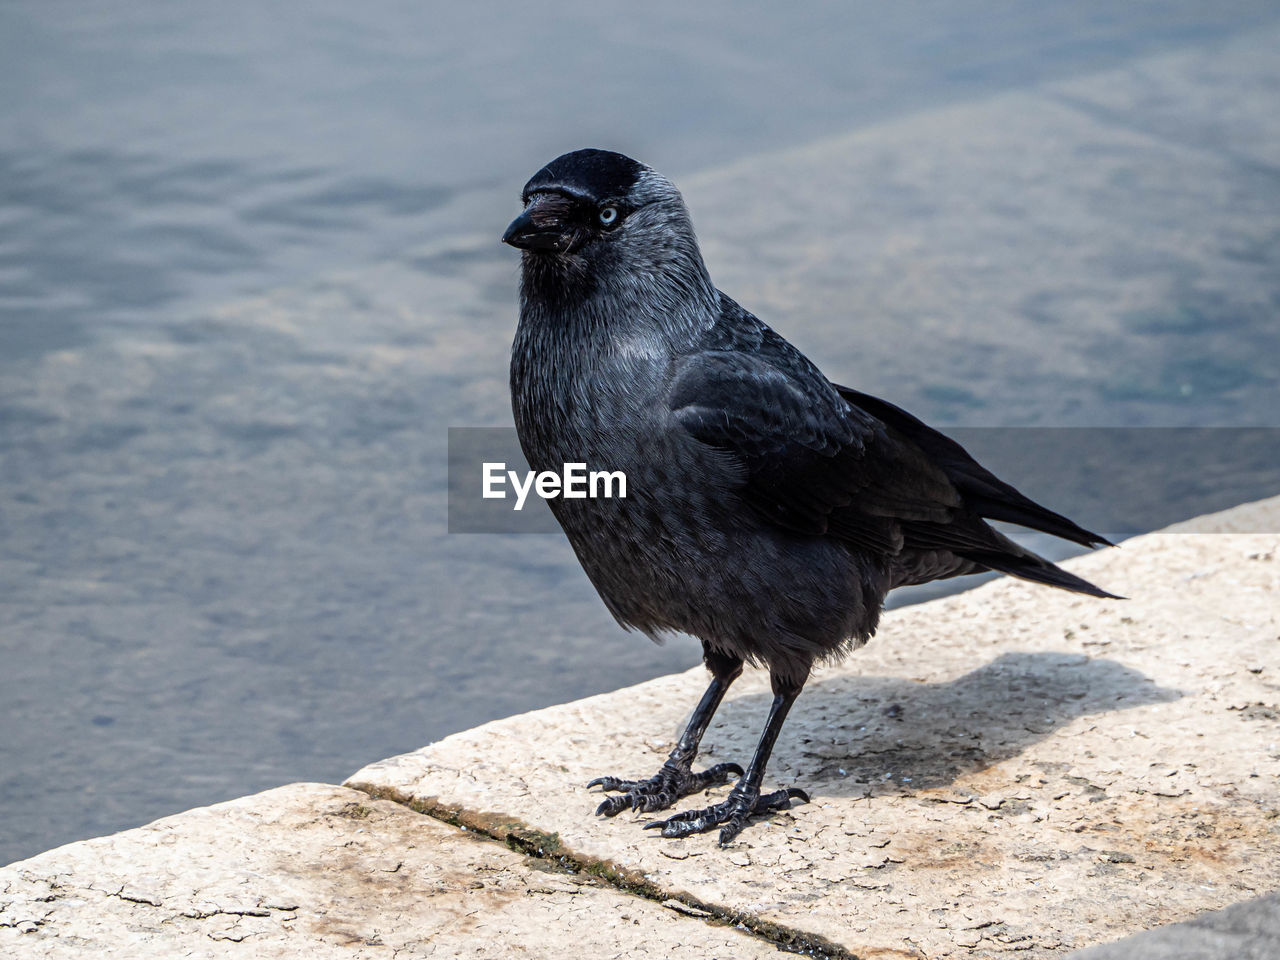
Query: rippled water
x,y
248,277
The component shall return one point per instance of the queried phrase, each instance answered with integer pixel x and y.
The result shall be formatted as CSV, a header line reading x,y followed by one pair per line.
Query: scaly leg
x,y
744,800
676,779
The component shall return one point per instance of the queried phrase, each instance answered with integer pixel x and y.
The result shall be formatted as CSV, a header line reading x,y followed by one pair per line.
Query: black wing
x,y
823,460
812,463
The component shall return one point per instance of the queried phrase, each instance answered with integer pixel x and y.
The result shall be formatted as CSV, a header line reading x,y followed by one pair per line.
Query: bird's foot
x,y
673,781
731,815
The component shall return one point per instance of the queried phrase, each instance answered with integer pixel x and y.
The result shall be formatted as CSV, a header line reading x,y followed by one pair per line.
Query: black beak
x,y
524,233
540,227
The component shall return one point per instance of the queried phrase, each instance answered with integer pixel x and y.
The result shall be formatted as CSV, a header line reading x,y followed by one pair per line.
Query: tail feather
x,y
985,493
1039,570
975,540
986,497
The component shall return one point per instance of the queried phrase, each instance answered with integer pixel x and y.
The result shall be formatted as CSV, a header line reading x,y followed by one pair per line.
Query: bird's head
x,y
598,218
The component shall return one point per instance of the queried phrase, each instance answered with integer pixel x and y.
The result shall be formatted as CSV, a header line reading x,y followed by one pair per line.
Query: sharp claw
x,y
794,793
599,782
728,833
655,825
736,770
611,806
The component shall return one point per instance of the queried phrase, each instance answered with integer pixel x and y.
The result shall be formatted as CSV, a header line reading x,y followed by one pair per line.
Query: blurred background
x,y
249,276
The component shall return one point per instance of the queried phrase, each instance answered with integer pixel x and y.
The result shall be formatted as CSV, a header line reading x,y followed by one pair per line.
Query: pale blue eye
x,y
608,215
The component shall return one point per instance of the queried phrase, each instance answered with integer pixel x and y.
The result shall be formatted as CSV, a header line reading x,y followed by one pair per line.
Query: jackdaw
x,y
768,510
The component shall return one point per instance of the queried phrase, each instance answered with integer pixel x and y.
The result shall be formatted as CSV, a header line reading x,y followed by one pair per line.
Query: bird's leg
x,y
676,779
744,800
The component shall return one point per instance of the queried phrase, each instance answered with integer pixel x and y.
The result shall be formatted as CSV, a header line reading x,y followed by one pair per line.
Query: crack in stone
x,y
197,913
135,896
533,843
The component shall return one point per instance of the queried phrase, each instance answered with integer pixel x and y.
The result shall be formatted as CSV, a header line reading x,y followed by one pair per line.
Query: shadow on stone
x,y
883,736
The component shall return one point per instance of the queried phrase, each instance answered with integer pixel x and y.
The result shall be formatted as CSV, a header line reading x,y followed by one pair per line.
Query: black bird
x,y
768,510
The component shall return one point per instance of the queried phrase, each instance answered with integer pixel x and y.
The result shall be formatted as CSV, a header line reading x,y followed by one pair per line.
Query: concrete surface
x,y
1242,931
317,871
1010,770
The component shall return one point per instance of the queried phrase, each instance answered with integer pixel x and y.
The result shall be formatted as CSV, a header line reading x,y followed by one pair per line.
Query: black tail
x,y
1026,565
989,497
985,493
972,538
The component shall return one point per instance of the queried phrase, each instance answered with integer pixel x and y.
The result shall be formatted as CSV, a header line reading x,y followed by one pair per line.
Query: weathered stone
x,y
318,871
1010,769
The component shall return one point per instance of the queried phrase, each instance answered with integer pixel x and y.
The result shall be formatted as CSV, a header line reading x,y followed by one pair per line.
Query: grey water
x,y
249,277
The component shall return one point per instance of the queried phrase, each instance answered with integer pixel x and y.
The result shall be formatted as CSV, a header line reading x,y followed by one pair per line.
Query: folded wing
x,y
828,461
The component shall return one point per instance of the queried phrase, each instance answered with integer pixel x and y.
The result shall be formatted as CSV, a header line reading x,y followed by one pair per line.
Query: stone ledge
x,y
318,871
1012,769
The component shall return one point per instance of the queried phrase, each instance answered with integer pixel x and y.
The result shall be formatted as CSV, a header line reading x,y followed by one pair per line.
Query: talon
x,y
730,831
611,806
794,793
673,781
